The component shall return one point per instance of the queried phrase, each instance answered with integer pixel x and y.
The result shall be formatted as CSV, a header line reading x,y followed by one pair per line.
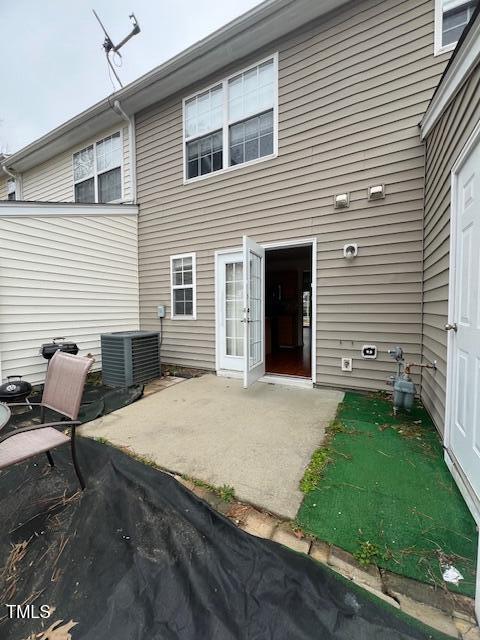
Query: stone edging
x,y
447,612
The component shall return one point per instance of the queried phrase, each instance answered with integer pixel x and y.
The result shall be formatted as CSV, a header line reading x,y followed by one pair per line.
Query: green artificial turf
x,y
387,496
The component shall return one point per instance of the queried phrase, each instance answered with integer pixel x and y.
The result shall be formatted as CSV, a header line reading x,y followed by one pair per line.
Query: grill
x,y
48,349
15,389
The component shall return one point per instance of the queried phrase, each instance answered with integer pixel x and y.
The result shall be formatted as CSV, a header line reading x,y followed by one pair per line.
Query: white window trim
x,y
98,173
438,47
183,286
225,128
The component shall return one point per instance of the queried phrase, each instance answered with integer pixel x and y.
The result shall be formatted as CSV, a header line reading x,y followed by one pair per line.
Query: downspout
x,y
133,179
18,182
131,147
422,306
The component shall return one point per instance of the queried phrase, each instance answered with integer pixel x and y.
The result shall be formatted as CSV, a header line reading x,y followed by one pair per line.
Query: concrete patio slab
x,y
257,440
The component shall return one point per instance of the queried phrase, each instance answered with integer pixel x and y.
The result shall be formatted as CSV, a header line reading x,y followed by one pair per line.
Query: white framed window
x,y
451,18
11,189
183,286
97,171
233,123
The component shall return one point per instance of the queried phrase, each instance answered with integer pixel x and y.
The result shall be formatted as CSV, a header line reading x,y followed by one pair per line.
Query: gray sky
x,y
54,66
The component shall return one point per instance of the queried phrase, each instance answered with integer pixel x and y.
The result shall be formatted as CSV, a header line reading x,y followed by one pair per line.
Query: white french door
x,y
254,311
230,314
463,385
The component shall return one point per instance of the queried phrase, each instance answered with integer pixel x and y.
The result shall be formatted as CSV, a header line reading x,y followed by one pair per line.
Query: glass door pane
x,y
253,297
234,309
255,355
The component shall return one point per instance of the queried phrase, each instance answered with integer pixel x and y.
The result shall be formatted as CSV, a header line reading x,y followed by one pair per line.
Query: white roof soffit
x,y
465,60
258,27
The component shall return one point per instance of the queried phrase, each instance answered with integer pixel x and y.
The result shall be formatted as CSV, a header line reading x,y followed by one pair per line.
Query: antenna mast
x,y
108,45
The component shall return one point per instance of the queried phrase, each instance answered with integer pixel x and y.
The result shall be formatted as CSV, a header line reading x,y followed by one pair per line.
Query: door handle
x,y
451,327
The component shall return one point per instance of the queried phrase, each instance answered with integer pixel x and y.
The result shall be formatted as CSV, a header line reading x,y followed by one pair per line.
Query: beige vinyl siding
x,y
352,90
74,276
52,181
443,146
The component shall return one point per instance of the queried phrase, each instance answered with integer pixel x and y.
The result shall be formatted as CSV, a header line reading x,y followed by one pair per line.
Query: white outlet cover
x,y
347,364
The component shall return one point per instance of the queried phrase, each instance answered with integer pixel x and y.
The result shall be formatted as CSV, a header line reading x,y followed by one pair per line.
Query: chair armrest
x,y
71,423
23,404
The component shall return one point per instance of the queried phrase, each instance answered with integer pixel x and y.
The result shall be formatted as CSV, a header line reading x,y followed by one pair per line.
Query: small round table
x,y
5,415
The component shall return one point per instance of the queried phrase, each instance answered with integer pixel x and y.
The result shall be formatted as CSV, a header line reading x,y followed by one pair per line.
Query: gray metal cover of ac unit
x,y
130,357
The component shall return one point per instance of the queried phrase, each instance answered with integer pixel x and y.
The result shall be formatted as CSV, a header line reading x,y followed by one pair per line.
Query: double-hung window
x,y
233,122
451,18
183,282
97,171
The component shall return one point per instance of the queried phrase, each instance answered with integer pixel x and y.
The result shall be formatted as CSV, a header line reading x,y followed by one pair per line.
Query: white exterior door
x,y
463,419
254,310
230,314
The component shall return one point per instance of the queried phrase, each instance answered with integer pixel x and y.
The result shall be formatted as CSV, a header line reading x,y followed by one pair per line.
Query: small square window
x,y
183,286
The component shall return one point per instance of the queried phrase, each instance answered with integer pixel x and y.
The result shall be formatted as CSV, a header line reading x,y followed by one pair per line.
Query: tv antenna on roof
x,y
109,47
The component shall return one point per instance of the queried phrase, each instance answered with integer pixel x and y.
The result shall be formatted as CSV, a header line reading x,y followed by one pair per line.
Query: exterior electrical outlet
x,y
369,352
347,364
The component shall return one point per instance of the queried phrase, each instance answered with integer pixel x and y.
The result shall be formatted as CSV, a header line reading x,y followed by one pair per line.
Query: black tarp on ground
x,y
145,559
97,400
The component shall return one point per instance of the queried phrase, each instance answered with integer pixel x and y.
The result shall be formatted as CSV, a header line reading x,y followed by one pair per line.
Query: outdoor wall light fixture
x,y
376,192
341,201
350,250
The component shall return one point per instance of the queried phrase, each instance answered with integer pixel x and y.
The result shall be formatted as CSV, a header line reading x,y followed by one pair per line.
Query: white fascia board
x,y
16,209
462,64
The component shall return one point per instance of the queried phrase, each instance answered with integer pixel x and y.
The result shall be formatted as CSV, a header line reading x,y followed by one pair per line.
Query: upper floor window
x,y
11,189
97,171
451,18
233,122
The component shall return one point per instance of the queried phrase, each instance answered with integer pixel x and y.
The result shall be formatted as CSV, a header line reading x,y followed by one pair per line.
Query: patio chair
x,y
62,393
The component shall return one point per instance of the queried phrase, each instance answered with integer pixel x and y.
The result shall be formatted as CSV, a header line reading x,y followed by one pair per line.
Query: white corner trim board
x,y
462,64
13,209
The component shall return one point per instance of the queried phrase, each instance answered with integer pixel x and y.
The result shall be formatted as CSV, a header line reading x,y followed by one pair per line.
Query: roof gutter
x,y
132,147
263,24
